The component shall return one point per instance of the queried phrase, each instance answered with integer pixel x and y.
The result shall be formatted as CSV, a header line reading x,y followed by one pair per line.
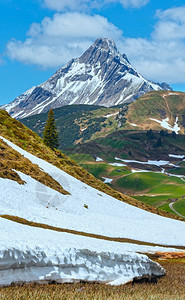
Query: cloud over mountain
x,y
161,56
56,40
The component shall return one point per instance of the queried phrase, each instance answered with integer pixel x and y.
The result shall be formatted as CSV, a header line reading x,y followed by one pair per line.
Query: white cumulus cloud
x,y
171,24
62,5
56,40
157,60
162,57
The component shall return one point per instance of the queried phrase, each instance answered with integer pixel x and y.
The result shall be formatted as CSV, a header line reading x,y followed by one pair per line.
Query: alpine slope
x,y
78,241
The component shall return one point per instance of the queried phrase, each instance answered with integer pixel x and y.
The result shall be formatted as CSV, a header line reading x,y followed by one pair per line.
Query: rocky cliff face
x,y
101,76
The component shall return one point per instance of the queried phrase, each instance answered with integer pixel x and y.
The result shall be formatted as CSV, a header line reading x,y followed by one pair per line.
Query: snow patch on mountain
x,y
110,115
101,76
99,159
133,124
149,162
17,101
107,180
164,123
176,156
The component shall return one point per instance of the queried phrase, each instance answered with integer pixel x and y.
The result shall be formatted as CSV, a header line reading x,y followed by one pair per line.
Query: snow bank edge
x,y
73,265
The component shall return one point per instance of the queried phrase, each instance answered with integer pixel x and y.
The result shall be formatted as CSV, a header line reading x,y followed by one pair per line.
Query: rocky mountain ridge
x,y
101,76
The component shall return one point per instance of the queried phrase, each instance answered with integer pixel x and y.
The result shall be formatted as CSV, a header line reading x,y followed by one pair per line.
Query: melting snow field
x,y
105,215
35,254
99,159
162,172
110,115
164,123
158,163
117,164
107,180
176,156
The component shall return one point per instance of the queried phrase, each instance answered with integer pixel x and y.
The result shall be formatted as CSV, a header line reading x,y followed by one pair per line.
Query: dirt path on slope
x,y
167,105
174,210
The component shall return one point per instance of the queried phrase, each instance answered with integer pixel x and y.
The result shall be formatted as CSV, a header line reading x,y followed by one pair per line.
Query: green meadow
x,y
151,188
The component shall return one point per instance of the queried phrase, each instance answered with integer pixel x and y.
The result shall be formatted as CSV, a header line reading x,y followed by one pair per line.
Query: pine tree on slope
x,y
50,135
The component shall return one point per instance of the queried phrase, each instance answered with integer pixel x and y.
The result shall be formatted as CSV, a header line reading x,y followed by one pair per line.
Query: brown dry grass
x,y
169,287
23,137
170,255
96,236
145,108
11,160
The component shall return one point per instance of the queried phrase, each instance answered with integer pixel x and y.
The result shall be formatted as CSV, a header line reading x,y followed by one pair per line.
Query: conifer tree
x,y
150,134
50,135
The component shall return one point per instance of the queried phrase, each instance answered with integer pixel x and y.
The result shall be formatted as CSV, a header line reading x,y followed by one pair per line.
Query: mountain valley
x,y
64,210
125,139
82,123
149,129
92,150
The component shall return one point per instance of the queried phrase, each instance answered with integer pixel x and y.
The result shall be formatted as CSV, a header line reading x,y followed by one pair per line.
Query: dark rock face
x,y
37,96
101,76
165,86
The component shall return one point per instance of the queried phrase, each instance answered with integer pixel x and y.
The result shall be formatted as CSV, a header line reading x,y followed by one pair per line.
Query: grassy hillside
x,y
125,134
158,105
11,160
79,123
82,123
31,142
151,187
127,144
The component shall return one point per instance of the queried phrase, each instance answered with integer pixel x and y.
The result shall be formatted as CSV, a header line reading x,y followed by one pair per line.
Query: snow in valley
x,y
117,164
176,156
107,180
35,254
157,163
99,159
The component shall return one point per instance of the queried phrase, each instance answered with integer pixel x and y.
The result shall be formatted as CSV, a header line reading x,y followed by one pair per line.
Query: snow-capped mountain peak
x,y
103,47
101,76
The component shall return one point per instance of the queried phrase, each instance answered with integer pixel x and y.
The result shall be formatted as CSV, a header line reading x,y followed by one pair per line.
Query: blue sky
x,y
39,36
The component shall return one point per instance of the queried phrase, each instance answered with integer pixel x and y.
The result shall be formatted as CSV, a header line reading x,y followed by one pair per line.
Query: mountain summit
x,y
101,76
